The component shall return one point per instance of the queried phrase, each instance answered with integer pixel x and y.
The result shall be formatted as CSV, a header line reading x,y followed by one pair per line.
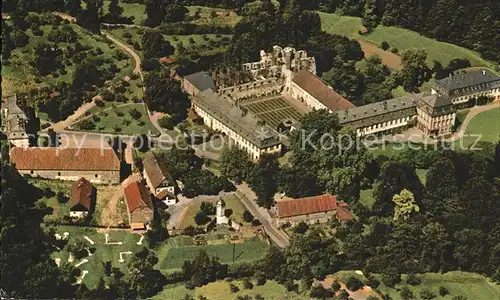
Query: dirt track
x,y
389,59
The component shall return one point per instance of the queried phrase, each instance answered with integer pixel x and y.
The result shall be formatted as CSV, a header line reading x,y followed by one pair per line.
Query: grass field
x,y
220,290
102,252
399,38
273,111
175,251
110,118
136,10
471,285
486,125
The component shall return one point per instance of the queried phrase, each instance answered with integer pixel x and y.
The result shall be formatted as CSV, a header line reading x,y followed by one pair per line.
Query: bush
x,y
260,279
394,50
86,124
166,122
135,113
384,45
127,35
443,291
391,277
256,222
201,218
234,289
335,286
354,284
320,292
247,216
412,279
290,286
117,128
208,208
120,113
427,294
301,228
247,284
406,294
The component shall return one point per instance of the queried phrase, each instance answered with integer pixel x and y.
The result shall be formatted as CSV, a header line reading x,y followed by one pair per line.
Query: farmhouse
x,y
160,182
139,204
97,165
311,210
82,197
461,88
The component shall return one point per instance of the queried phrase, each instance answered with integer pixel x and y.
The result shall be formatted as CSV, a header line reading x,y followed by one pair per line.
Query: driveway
x,y
248,198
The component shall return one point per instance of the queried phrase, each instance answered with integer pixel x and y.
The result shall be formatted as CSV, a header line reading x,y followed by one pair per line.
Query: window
x,y
58,173
31,172
96,175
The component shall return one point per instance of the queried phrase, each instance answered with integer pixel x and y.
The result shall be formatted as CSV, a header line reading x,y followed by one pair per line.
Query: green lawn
x,y
220,290
473,286
485,127
460,117
173,253
399,38
232,202
102,252
136,10
110,118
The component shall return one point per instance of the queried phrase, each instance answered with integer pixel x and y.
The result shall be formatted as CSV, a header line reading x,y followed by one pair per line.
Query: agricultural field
x,y
400,39
173,253
273,111
101,252
19,75
118,118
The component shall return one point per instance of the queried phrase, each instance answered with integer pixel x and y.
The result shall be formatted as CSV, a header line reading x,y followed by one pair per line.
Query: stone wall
x,y
99,177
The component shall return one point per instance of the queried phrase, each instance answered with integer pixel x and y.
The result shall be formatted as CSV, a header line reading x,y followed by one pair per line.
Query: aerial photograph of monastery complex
x,y
250,149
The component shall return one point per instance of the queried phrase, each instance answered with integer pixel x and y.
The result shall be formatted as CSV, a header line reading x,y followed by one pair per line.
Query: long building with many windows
x,y
292,76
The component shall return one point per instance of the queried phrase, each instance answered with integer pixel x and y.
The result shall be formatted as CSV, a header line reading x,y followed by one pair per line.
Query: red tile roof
x,y
313,85
81,194
304,206
137,196
344,214
84,159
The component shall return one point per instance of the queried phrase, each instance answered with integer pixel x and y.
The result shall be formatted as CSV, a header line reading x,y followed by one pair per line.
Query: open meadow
x,y
400,39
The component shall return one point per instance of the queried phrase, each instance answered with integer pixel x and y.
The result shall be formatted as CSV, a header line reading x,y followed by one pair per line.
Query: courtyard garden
x,y
273,111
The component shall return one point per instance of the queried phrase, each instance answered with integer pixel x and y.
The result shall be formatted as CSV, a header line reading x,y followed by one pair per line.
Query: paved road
x,y
247,197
